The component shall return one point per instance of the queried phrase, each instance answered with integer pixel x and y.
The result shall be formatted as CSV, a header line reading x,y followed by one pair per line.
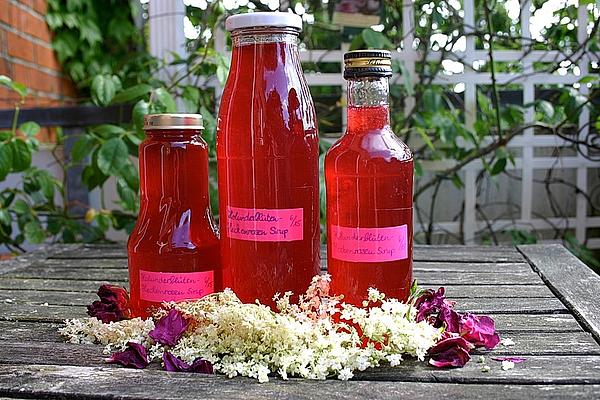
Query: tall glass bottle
x,y
267,148
174,247
369,181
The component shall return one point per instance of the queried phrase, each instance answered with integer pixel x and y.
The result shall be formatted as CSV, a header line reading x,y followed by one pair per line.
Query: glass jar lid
x,y
173,121
264,19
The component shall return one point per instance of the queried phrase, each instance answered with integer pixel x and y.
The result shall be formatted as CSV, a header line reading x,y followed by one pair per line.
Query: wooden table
x,y
541,297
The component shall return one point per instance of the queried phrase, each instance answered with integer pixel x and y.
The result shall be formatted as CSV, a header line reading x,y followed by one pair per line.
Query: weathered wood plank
x,y
423,277
100,382
570,279
121,263
39,313
544,305
537,369
18,331
544,343
55,284
27,259
534,323
495,254
499,291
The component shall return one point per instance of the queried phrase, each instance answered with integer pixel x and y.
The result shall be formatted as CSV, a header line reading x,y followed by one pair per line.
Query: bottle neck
x,y
368,104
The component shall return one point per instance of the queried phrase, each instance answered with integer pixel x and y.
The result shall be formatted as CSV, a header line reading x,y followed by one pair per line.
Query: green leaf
x,y
34,233
21,155
140,110
376,40
30,128
46,182
20,89
588,78
108,131
129,174
89,31
499,166
128,197
54,20
92,177
5,160
132,93
191,99
104,88
82,147
5,81
546,108
20,206
425,138
113,155
163,100
5,218
103,221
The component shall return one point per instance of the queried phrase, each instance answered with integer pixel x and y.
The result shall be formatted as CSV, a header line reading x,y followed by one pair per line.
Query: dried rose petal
x,y
429,303
450,352
169,328
112,306
448,318
479,330
134,357
516,360
175,364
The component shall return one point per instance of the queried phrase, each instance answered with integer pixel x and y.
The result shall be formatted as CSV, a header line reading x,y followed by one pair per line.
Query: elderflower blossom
x,y
114,335
316,338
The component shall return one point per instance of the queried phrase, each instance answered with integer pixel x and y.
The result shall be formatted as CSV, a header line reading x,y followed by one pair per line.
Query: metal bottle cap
x,y
173,121
365,63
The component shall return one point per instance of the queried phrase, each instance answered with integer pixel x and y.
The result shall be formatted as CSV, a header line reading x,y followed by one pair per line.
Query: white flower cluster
x,y
316,338
114,335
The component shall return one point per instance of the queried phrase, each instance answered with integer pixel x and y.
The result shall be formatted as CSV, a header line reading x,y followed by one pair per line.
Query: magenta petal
x,y
169,328
479,330
135,356
516,360
449,318
450,352
429,303
175,364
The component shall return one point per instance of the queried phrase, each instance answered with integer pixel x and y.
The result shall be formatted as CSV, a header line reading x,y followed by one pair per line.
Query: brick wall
x,y
26,56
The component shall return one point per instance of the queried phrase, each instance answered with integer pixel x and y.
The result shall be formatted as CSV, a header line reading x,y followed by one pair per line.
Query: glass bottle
x,y
267,149
369,183
174,247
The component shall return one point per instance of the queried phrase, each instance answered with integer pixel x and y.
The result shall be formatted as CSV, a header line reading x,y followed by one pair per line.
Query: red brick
x,y
19,47
68,88
40,6
32,25
8,98
45,57
6,15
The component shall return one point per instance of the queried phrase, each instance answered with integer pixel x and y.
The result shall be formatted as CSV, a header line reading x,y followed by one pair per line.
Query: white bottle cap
x,y
255,19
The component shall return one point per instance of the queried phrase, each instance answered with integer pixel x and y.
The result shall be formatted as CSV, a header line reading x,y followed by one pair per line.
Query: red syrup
x,y
369,178
267,147
174,247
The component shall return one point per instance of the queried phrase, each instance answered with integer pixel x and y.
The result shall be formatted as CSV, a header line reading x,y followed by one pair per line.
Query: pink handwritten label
x,y
369,244
265,225
167,286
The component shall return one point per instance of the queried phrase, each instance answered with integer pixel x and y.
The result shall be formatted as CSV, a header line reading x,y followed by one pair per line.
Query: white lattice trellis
x,y
526,163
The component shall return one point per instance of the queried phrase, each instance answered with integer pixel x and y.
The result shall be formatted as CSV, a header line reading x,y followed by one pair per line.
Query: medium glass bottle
x,y
369,181
267,149
174,247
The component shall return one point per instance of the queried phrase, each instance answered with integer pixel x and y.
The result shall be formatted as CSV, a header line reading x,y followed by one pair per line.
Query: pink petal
x,y
135,356
479,330
169,328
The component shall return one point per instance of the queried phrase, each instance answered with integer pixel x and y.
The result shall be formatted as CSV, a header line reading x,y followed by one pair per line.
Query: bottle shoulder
x,y
382,145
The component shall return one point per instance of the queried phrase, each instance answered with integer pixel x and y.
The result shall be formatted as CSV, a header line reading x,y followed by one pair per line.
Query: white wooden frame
x,y
170,37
